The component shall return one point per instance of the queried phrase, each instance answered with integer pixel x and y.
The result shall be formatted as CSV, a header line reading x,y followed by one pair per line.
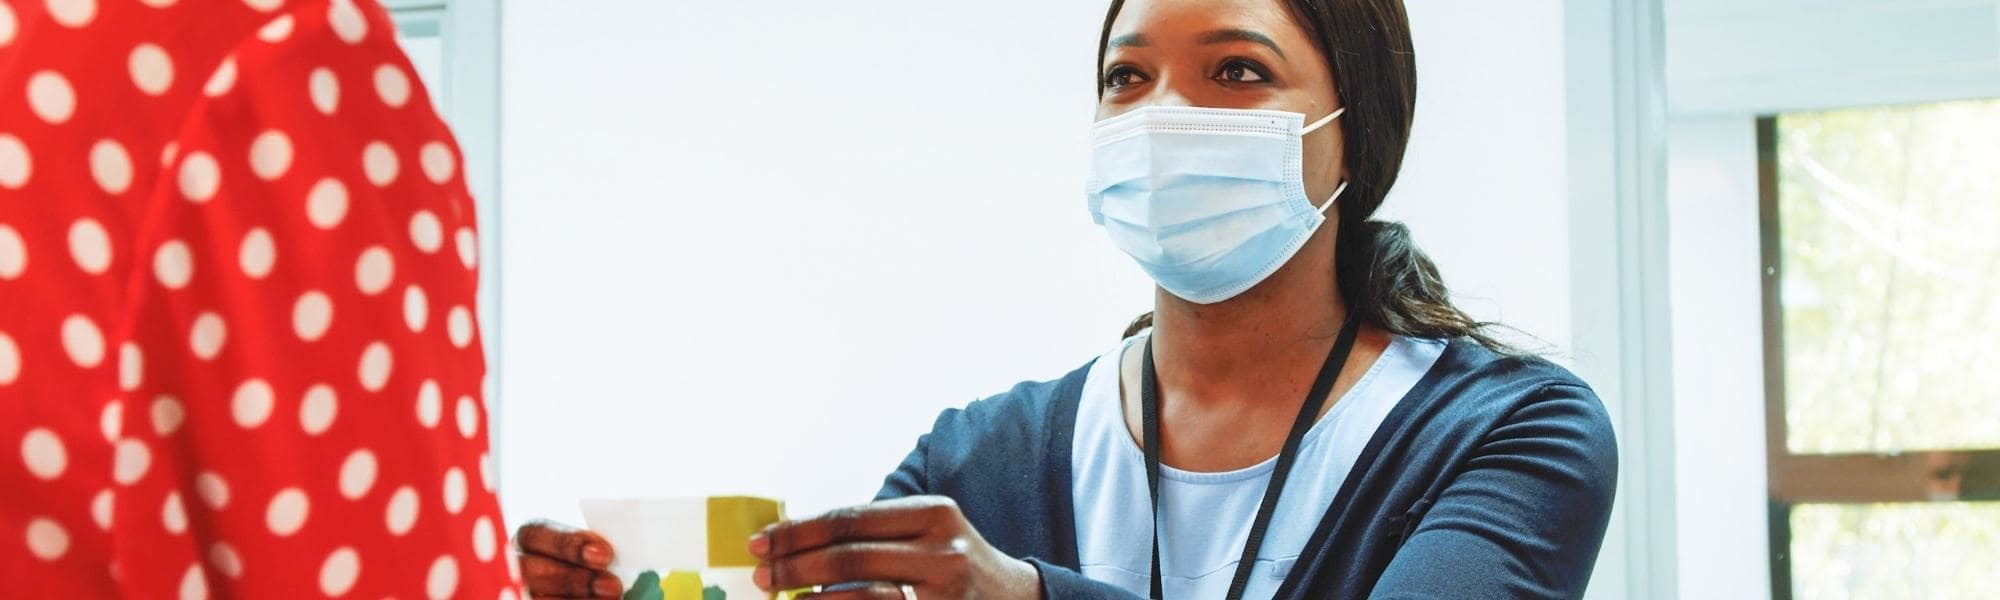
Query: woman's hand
x,y
558,561
923,542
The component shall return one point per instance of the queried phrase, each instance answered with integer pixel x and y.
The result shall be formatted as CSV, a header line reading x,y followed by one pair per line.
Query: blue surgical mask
x,y
1209,201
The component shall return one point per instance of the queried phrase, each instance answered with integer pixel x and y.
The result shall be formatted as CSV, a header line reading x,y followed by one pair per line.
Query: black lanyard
x,y
1308,414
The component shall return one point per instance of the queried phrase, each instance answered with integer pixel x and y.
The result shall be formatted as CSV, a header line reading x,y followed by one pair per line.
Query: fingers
x,y
564,543
859,561
899,519
873,591
551,578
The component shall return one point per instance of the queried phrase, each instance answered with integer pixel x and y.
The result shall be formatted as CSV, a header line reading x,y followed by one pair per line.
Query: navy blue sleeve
x,y
909,478
1063,584
1525,515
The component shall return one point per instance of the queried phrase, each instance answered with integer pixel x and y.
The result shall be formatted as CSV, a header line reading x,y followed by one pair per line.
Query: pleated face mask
x,y
1209,201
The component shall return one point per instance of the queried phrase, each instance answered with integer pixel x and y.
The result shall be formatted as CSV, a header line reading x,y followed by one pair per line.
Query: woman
x,y
237,273
1308,415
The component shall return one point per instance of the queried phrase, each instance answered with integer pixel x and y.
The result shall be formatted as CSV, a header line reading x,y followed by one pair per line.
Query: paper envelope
x,y
688,544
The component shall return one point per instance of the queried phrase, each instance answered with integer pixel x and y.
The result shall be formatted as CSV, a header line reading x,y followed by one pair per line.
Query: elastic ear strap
x,y
1336,196
1323,121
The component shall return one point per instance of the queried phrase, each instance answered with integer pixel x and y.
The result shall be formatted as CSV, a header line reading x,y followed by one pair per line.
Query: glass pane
x,y
1888,221
1944,550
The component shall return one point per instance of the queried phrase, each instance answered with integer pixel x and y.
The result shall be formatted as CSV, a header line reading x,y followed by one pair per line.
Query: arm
x,y
1525,516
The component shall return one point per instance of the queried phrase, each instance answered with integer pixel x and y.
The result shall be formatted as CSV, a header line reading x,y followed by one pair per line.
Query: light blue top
x,y
1205,517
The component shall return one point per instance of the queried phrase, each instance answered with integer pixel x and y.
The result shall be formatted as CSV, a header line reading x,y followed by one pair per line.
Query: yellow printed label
x,y
731,522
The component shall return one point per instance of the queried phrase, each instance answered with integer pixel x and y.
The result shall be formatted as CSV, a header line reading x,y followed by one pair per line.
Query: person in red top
x,y
237,348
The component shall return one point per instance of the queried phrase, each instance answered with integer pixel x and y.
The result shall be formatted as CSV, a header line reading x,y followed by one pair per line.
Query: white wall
x,y
755,247
1721,515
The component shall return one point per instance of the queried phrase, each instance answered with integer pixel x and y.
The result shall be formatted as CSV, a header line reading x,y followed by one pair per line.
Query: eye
x,y
1122,75
1241,71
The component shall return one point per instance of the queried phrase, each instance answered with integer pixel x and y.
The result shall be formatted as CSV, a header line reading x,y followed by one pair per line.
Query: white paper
x,y
651,534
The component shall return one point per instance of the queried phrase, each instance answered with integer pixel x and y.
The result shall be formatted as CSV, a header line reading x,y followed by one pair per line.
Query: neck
x,y
1272,336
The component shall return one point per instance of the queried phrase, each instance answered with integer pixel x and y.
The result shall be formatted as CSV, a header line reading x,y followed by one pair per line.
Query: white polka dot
x,y
173,264
483,543
375,365
151,69
168,414
90,246
111,166
508,594
317,410
158,3
15,162
454,490
9,24
129,461
458,324
207,336
425,231
213,490
173,514
13,253
468,247
357,474
47,540
83,341
100,509
252,403
416,308
225,560
10,360
131,367
468,417
270,155
338,573
51,97
443,580
111,420
326,203
379,162
402,513
374,270
222,80
276,30
392,85
430,404
44,454
194,584
72,13
325,90
347,21
257,254
264,5
438,163
486,471
287,512
312,315
201,177
168,152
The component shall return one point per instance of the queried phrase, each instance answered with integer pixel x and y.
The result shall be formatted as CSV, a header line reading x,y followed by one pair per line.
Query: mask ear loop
x,y
1336,196
1323,121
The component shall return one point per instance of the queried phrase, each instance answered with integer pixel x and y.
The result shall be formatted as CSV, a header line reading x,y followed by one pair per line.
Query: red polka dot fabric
x,y
237,348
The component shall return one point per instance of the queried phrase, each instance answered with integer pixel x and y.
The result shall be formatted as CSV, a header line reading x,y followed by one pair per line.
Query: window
x,y
1881,232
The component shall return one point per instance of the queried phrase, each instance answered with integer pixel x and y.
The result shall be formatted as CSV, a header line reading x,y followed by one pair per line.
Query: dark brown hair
x,y
1384,277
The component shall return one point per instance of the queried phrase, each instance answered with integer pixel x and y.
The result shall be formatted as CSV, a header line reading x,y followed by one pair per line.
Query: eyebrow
x,y
1224,36
1219,36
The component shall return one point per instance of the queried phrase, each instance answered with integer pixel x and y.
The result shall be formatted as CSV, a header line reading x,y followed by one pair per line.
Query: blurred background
x,y
755,247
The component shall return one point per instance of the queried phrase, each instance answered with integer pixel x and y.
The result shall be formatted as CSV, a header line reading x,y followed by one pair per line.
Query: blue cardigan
x,y
1493,478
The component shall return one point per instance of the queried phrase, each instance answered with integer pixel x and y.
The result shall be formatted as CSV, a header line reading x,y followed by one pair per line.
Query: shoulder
x,y
1475,396
1021,417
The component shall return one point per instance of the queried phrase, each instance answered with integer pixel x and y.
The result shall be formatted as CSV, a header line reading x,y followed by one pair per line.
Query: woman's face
x,y
1224,54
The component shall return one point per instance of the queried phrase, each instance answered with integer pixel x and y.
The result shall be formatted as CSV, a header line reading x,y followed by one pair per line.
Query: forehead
x,y
1165,20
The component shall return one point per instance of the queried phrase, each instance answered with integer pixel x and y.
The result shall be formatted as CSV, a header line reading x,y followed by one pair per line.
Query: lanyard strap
x,y
1308,414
